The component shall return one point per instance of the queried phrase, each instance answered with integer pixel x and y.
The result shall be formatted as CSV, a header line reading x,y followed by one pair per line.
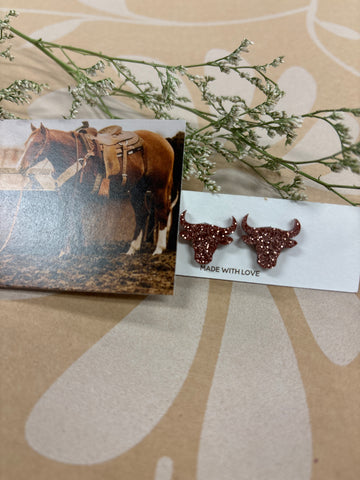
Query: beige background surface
x,y
221,381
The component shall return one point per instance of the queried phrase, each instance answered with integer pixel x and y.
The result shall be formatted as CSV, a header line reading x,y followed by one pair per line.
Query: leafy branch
x,y
229,126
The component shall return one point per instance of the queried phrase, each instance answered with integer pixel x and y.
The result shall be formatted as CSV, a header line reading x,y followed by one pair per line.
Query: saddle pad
x,y
107,139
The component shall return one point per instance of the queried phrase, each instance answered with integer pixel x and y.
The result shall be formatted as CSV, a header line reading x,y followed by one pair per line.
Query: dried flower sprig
x,y
229,127
18,91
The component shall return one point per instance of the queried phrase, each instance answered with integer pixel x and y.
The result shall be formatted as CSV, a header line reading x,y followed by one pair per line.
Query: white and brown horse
x,y
77,164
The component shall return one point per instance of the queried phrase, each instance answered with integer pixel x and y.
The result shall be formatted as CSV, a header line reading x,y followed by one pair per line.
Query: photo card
x,y
90,205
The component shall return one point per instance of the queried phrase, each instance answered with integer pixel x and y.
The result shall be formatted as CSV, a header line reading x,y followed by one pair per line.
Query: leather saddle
x,y
115,145
107,136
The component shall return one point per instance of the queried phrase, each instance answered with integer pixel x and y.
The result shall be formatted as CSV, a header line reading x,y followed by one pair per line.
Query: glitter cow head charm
x,y
269,241
205,238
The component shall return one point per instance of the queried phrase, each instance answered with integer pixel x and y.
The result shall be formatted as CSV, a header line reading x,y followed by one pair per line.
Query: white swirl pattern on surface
x,y
164,469
53,32
257,421
114,394
333,318
57,104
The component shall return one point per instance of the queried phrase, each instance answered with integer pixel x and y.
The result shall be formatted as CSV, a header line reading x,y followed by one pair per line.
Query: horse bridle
x,y
89,151
20,197
37,157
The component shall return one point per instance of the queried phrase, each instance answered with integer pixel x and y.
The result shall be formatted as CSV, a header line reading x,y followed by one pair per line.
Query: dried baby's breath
x,y
228,125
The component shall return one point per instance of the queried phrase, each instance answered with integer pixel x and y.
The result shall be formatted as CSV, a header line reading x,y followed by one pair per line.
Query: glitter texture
x,y
205,238
269,241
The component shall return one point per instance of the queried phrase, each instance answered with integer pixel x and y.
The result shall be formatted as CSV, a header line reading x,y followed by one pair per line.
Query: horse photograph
x,y
90,205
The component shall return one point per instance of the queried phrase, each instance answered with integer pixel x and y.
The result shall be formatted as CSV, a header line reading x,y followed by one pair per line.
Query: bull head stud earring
x,y
269,241
205,238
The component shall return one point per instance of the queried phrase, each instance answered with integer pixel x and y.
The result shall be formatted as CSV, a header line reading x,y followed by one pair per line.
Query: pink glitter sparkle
x,y
205,238
269,241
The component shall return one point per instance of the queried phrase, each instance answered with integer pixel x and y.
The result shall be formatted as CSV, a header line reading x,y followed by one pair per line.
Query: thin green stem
x,y
302,173
39,44
218,119
105,108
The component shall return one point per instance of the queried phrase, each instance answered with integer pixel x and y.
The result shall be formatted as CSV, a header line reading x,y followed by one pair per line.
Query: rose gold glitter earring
x,y
205,238
269,241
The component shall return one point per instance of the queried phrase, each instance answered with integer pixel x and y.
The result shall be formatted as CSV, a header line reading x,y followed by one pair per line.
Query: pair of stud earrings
x,y
267,241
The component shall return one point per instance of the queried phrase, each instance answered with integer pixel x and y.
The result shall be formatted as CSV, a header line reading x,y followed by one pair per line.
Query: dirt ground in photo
x,y
106,270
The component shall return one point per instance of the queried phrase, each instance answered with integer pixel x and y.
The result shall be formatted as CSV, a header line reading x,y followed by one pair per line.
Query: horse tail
x,y
177,144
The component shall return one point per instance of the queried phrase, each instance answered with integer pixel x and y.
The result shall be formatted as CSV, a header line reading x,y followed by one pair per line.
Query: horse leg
x,y
163,219
65,248
137,199
71,226
162,236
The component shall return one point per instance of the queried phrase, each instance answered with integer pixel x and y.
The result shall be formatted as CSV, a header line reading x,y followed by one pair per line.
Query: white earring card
x,y
326,257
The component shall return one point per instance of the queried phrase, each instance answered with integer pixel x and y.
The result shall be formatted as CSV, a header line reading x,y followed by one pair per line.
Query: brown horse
x,y
77,165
